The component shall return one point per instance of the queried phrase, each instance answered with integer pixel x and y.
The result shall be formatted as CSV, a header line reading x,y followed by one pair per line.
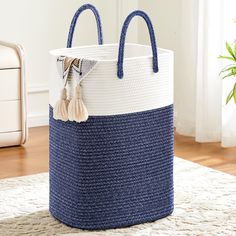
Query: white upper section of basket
x,y
102,92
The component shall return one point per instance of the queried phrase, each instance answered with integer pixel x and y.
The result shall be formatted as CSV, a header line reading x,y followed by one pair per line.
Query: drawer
x,y
10,118
9,84
10,139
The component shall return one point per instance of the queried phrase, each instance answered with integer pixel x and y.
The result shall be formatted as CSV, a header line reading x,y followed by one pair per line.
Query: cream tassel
x,y
60,111
77,111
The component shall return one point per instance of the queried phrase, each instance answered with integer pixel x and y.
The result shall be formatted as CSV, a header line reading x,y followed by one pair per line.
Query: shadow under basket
x,y
112,171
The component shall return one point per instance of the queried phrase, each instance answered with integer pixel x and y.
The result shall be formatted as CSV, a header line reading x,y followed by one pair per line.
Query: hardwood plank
x,y
32,158
29,159
207,154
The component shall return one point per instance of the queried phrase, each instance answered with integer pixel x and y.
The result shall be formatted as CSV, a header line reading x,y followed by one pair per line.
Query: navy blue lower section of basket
x,y
112,171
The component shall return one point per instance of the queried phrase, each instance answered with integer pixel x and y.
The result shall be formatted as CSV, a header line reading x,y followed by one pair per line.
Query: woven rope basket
x,y
116,168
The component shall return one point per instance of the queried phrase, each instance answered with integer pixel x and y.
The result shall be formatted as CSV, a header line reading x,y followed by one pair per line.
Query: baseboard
x,y
38,89
35,120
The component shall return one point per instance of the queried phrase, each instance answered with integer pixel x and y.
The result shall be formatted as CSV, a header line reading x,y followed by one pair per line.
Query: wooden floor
x,y
207,154
32,158
29,159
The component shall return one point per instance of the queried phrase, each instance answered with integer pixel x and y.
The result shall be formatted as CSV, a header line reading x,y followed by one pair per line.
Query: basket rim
x,y
161,51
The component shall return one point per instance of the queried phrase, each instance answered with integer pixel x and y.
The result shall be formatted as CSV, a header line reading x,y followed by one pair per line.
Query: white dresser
x,y
13,125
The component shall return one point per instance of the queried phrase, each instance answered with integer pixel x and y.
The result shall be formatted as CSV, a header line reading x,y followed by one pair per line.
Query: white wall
x,y
175,23
42,25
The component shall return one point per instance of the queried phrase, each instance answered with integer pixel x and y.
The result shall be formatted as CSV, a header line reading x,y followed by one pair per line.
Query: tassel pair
x,y
73,110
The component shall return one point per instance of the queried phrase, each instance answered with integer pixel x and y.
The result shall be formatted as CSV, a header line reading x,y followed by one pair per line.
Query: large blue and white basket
x,y
115,169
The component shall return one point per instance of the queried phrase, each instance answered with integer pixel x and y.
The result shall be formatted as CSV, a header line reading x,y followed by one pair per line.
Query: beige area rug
x,y
205,204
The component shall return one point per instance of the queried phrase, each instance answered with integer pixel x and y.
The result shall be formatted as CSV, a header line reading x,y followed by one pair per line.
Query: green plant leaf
x,y
226,67
228,58
232,65
230,95
230,50
234,93
228,75
232,69
235,48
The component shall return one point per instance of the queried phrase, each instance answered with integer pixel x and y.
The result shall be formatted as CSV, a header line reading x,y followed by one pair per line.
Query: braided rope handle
x,y
74,20
120,72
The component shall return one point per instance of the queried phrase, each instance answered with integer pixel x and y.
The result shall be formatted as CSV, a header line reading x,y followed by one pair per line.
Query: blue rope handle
x,y
74,20
120,72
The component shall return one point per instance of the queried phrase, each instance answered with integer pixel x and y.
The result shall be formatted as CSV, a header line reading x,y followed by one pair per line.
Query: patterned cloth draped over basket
x,y
114,168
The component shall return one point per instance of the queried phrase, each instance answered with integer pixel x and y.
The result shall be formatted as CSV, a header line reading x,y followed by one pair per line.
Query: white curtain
x,y
200,94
